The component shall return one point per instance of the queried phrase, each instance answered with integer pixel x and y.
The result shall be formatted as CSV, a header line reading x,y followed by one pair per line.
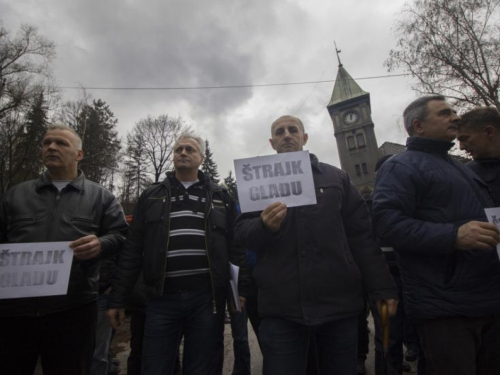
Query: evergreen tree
x,y
96,126
209,167
29,149
230,183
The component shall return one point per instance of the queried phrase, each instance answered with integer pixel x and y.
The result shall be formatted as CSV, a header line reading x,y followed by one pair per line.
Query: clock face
x,y
351,117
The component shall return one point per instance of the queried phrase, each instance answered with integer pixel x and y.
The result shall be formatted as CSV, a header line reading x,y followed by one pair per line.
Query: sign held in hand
x,y
34,269
285,177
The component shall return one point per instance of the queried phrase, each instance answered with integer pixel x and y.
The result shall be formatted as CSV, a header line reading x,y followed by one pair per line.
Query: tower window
x,y
361,140
350,143
365,168
358,170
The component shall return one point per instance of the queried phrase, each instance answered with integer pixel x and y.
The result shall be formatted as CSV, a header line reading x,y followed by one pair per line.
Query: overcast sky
x,y
188,43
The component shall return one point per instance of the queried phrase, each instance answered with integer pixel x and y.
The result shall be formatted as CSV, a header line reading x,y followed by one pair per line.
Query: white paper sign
x,y
285,177
493,215
34,269
234,272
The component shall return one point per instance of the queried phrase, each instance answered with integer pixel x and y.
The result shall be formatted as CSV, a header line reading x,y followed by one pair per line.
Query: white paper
x,y
234,272
34,269
493,215
285,177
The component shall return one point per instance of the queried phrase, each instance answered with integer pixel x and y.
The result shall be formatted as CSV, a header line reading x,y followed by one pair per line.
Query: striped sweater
x,y
187,259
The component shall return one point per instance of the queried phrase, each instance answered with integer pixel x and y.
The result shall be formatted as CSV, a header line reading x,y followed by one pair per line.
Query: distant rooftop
x,y
345,87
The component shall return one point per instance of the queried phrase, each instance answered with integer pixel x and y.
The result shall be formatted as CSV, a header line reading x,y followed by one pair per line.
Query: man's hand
x,y
392,306
232,306
273,216
116,317
477,235
87,247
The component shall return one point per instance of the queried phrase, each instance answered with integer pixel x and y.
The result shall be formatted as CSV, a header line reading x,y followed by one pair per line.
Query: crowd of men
x,y
313,266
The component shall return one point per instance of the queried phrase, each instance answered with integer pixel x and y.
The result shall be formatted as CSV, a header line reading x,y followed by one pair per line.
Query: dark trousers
x,y
285,346
134,361
190,314
137,323
252,308
399,324
64,341
363,332
239,331
461,346
104,333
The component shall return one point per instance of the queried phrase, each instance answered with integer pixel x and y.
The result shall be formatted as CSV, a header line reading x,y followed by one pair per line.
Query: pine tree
x,y
209,167
96,126
230,183
29,148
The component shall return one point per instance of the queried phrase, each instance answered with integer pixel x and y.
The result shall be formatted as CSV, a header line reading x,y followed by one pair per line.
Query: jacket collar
x,y
171,180
315,162
78,183
428,145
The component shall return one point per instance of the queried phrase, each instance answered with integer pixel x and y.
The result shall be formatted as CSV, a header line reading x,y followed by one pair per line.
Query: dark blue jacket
x,y
421,198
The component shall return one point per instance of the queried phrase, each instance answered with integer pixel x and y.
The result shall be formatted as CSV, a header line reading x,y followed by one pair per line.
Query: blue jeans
x,y
168,318
103,335
285,345
239,330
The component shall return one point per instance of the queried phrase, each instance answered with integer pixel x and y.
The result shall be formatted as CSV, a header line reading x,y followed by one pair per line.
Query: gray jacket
x,y
34,211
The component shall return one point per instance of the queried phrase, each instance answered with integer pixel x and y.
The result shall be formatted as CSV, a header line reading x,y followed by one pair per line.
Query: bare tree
x,y
25,66
157,136
452,48
25,94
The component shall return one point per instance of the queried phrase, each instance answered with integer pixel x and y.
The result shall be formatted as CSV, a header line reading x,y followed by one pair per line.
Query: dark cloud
x,y
193,43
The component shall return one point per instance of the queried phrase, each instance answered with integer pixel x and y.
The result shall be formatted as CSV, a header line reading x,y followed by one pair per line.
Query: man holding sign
x,y
314,262
59,206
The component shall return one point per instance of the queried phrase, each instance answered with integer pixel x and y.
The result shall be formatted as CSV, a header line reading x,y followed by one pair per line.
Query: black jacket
x,y
316,268
34,211
147,242
489,171
422,197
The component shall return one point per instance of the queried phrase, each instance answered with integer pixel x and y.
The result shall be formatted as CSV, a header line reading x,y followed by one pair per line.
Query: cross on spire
x,y
337,51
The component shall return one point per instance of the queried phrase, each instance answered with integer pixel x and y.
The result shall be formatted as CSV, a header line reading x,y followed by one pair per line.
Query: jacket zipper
x,y
49,237
207,215
168,241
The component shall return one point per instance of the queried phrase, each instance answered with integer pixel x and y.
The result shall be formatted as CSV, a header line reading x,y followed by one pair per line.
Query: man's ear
x,y
79,156
489,131
306,137
417,126
272,143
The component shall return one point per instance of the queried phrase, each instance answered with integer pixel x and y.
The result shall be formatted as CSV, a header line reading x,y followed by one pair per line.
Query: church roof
x,y
345,87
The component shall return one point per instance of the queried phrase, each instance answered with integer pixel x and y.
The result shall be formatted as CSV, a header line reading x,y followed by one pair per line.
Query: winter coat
x,y
316,267
35,211
422,196
147,243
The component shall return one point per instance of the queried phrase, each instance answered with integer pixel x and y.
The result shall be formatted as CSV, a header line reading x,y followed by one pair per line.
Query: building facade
x,y
350,111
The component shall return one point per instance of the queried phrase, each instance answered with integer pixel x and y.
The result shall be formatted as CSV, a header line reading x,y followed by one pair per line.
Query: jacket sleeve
x,y
377,280
251,233
113,228
237,254
129,264
397,191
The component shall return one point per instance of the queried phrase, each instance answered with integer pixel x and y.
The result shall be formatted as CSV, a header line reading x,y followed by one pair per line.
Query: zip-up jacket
x,y
317,266
147,242
34,211
422,196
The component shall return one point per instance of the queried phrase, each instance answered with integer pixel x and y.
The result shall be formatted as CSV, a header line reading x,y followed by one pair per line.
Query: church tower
x,y
350,111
